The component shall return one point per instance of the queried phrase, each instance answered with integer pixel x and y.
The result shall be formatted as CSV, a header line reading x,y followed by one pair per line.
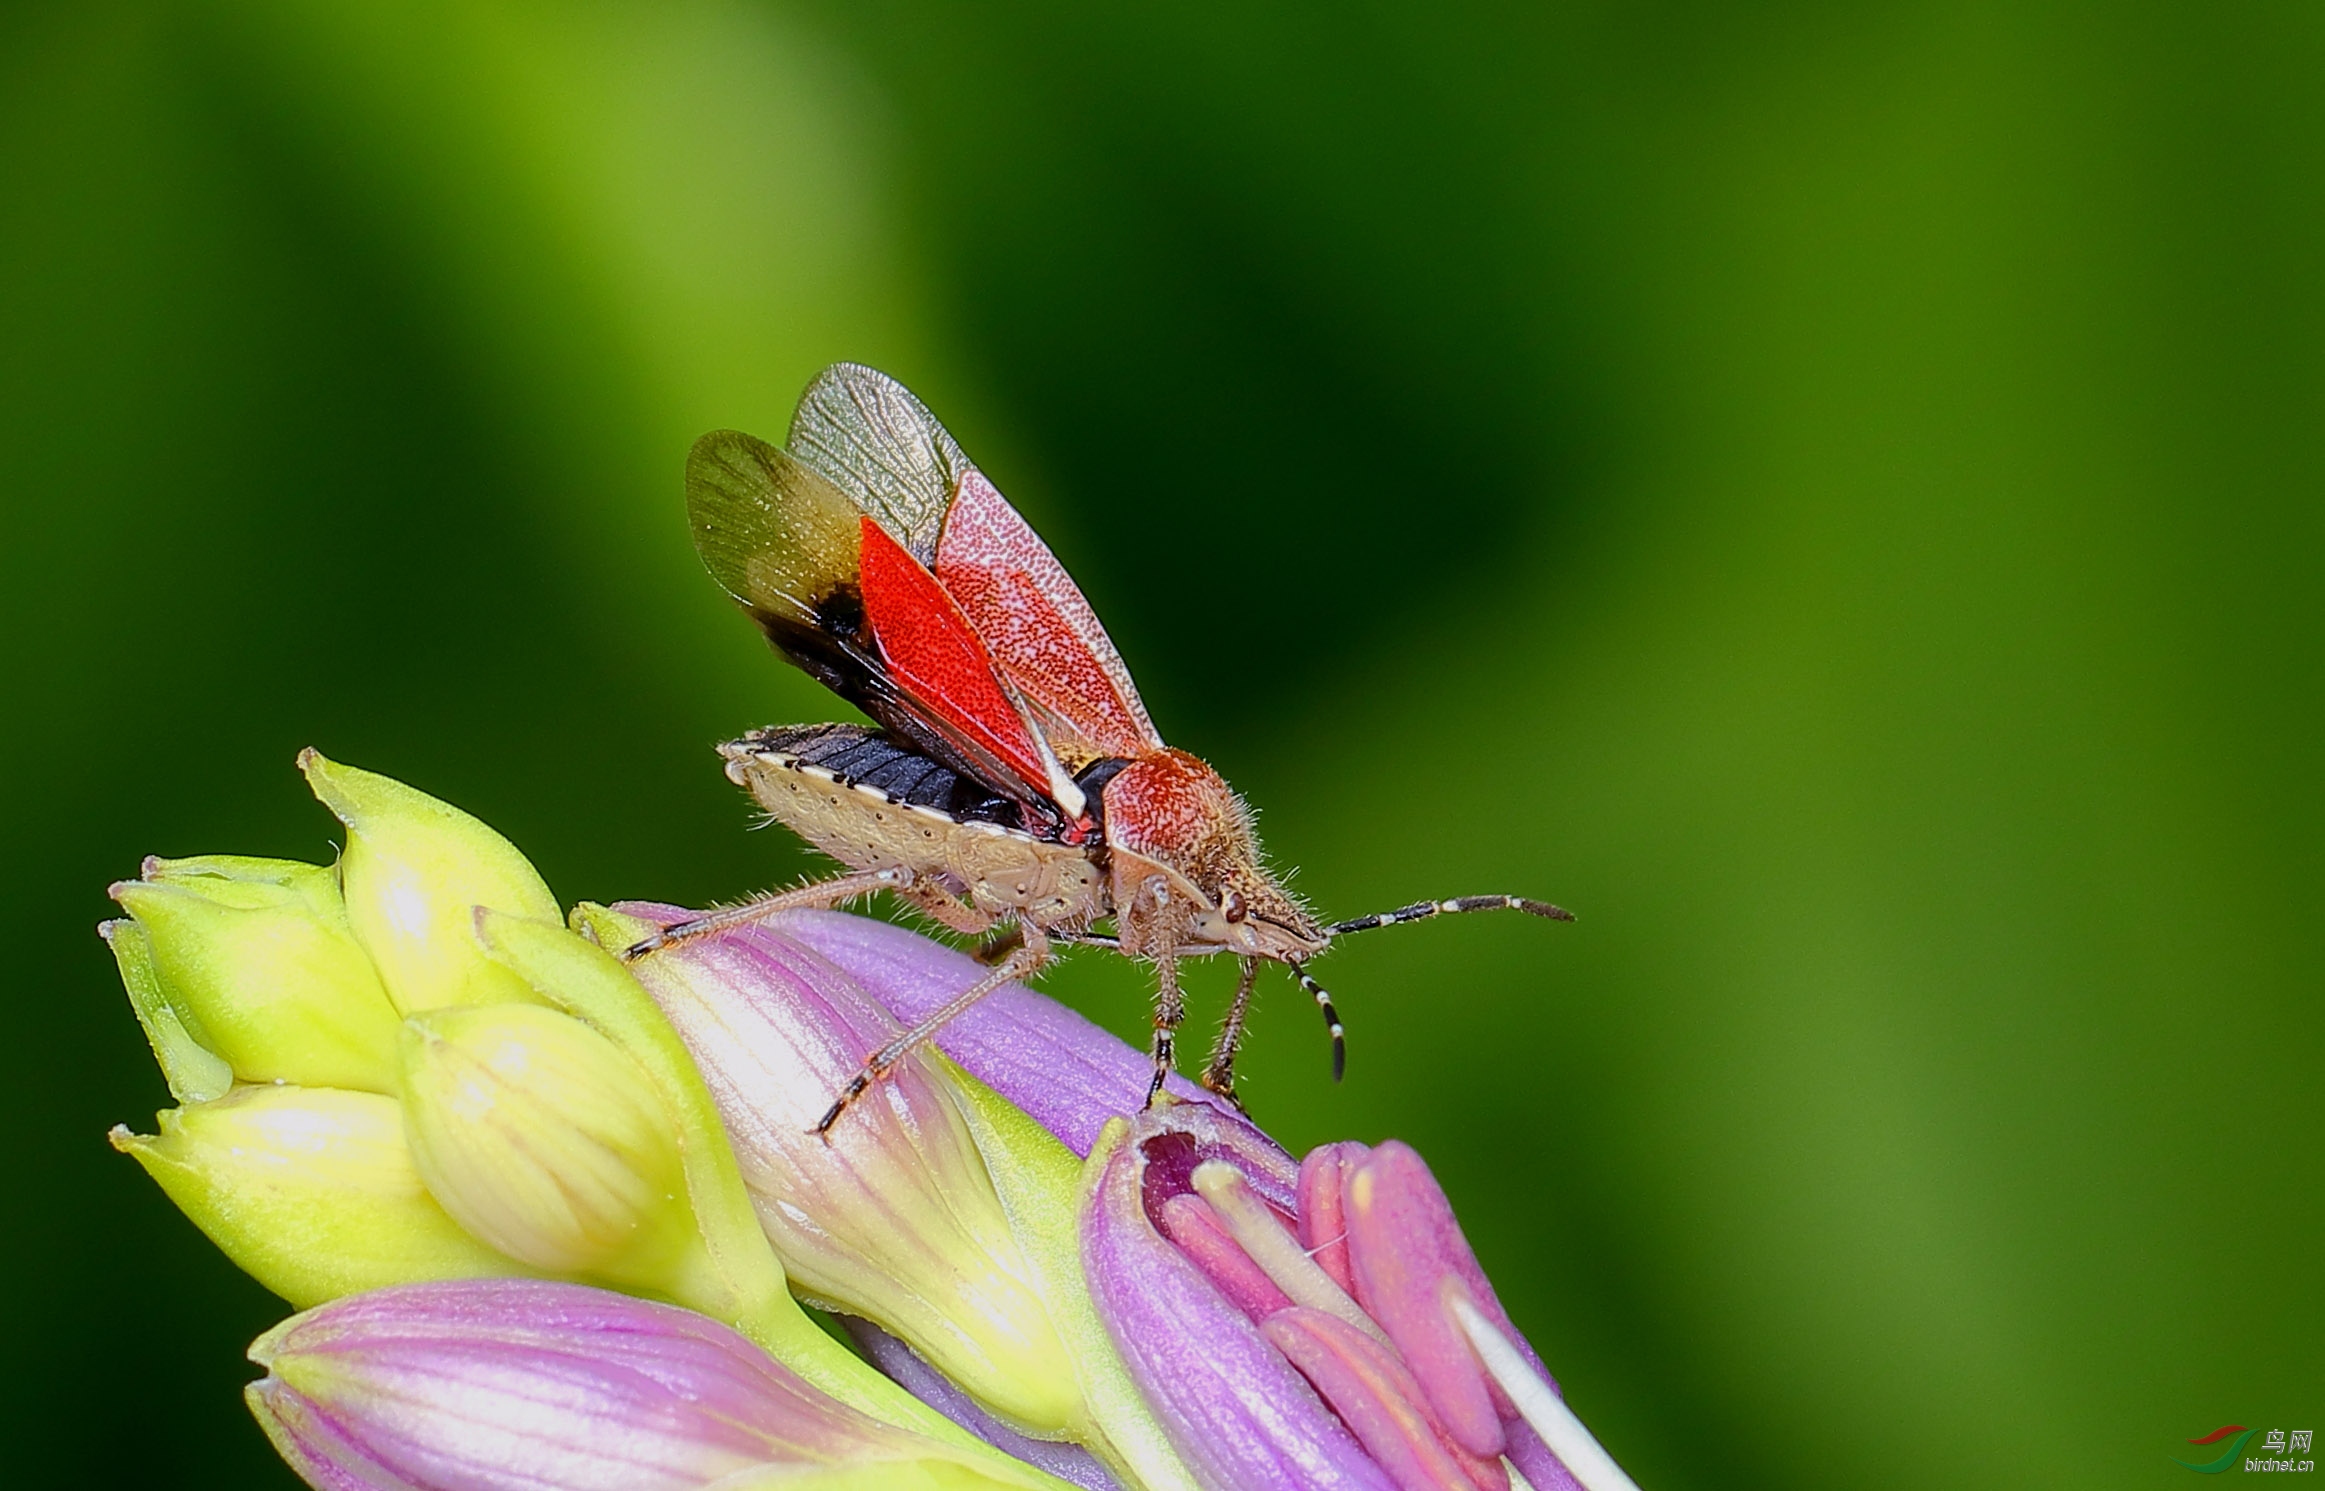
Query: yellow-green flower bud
x,y
310,1190
545,1140
257,960
415,871
194,1072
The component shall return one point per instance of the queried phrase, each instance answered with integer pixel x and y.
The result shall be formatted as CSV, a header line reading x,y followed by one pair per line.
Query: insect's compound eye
x,y
1231,906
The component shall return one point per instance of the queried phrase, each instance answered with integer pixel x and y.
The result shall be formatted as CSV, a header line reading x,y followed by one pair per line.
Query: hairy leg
x,y
836,891
1023,963
1170,1007
1219,1072
1000,945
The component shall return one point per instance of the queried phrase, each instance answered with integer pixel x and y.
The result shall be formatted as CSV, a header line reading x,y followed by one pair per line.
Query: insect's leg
x,y
1332,1025
1219,1072
1088,939
822,893
1001,944
1023,963
946,909
1423,910
1170,1007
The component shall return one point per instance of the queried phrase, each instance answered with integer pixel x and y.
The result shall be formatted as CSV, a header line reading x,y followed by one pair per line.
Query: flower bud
x,y
538,1135
1067,1461
257,959
310,1190
891,1214
735,1276
194,1072
498,1385
1196,1229
415,871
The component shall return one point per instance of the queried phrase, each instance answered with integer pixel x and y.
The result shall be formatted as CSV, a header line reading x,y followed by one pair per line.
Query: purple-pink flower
x,y
523,1385
1293,1325
1297,1321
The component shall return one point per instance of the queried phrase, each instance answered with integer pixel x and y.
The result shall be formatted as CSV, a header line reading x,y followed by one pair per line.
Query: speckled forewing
x,y
1039,629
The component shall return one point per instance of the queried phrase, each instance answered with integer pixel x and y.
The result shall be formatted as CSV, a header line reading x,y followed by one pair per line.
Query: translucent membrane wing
x,y
879,445
1038,628
935,659
783,541
777,534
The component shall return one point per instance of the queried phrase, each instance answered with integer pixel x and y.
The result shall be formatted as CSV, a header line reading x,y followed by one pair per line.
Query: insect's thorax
x,y
1185,868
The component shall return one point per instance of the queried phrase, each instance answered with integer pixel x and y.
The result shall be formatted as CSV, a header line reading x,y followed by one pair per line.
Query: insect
x,y
1014,786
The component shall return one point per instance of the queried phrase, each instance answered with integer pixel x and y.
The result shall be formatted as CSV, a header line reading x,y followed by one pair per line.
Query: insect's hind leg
x,y
822,894
1423,910
1026,961
1000,945
1170,1007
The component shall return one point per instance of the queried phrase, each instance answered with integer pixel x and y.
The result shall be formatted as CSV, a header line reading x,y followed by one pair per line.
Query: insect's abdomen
x,y
858,757
871,803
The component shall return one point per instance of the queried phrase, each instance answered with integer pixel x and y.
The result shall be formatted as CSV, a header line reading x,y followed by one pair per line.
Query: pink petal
x,y
1407,1253
1323,1224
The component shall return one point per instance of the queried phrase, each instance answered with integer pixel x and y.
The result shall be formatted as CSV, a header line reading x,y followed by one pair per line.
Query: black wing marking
x,y
876,759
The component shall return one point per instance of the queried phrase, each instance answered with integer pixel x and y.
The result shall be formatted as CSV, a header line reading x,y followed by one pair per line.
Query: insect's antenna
x,y
1332,1025
1421,911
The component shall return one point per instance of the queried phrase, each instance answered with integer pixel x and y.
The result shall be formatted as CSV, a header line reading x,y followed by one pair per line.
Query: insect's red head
x,y
1170,817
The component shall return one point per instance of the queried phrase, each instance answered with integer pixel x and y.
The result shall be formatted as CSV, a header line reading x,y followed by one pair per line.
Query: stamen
x,y
1277,1252
1192,1224
1542,1409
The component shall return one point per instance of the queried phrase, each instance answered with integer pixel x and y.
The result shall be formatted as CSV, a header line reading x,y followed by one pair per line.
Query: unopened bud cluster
x,y
372,1092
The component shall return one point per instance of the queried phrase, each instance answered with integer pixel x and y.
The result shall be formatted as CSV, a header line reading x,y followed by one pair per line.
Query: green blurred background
x,y
1832,493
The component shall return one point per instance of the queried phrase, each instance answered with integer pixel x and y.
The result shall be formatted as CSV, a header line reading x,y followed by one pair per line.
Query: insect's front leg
x,y
1219,1072
948,910
1023,963
837,891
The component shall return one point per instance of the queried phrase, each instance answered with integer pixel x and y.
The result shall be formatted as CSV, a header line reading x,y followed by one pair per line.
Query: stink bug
x,y
1014,784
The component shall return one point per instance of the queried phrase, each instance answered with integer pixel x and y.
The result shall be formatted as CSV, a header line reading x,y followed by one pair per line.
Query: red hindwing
x,y
934,656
